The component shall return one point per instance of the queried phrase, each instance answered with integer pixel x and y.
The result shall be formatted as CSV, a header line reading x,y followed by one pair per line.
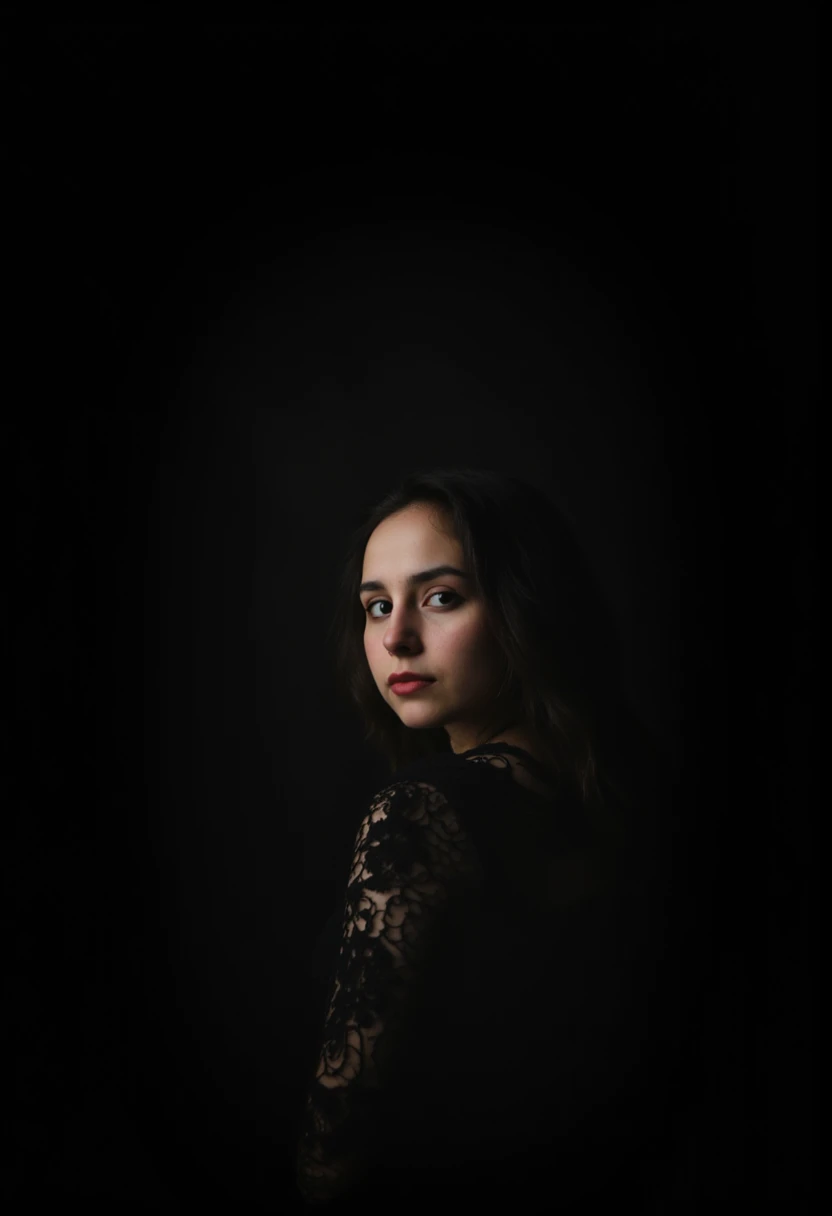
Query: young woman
x,y
490,1025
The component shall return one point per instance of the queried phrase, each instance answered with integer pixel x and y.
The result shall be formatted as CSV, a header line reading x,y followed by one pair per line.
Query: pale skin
x,y
437,627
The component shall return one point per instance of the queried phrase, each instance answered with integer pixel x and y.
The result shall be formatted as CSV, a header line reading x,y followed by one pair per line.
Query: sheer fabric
x,y
487,1019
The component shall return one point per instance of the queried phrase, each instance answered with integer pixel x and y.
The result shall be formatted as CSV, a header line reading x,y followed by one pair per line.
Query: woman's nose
x,y
400,633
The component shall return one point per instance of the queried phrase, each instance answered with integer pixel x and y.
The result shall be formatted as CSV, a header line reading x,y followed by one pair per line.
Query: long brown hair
x,y
545,610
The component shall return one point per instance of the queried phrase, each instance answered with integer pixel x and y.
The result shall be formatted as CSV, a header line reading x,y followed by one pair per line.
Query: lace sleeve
x,y
409,851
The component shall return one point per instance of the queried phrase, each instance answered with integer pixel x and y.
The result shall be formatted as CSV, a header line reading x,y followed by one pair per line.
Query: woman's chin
x,y
419,720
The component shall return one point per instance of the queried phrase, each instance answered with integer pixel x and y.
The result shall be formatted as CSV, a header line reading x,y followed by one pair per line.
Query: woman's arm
x,y
409,850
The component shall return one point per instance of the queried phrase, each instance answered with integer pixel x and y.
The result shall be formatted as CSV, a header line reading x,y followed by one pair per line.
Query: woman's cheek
x,y
373,658
465,641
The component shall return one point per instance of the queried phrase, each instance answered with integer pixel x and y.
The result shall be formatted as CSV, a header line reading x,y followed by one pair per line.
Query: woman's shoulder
x,y
494,785
522,765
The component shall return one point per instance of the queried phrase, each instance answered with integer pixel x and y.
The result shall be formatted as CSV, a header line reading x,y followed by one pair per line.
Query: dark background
x,y
253,274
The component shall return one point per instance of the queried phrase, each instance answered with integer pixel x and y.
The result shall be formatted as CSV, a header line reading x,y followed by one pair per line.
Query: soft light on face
x,y
435,627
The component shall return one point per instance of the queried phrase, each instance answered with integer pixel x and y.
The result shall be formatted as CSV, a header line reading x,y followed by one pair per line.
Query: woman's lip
x,y
407,686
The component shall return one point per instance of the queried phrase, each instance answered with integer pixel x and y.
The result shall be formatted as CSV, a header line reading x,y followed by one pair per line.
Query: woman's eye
x,y
433,594
452,594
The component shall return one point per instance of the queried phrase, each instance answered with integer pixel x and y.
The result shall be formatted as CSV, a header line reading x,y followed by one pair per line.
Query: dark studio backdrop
x,y
255,273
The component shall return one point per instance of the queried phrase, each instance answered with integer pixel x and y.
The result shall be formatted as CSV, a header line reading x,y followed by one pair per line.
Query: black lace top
x,y
488,1014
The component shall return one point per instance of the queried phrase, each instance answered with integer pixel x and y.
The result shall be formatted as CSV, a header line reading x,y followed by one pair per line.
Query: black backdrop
x,y
253,274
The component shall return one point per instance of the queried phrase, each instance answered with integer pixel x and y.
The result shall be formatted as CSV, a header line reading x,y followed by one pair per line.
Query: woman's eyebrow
x,y
414,579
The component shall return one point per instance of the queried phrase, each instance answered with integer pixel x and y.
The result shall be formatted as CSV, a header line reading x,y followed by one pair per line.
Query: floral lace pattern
x,y
409,852
484,1006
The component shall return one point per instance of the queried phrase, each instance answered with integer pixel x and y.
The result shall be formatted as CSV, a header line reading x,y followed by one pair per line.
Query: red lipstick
x,y
404,682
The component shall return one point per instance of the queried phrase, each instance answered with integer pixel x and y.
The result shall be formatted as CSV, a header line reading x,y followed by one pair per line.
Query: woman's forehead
x,y
416,534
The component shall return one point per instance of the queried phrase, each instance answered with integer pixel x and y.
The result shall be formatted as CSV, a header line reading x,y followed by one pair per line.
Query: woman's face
x,y
435,627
